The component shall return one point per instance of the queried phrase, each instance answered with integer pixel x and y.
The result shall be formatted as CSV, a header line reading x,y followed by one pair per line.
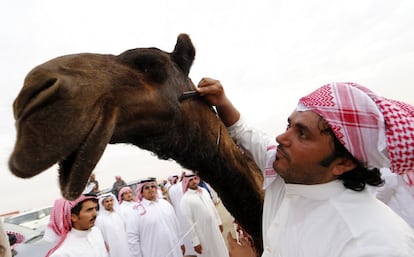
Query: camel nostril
x,y
35,97
45,86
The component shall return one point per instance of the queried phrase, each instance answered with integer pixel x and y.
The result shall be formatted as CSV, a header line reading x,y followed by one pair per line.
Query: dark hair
x,y
357,178
78,207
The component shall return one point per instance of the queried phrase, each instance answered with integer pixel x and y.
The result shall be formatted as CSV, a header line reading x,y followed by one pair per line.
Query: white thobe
x,y
398,195
79,243
325,219
152,230
113,231
176,193
126,208
201,213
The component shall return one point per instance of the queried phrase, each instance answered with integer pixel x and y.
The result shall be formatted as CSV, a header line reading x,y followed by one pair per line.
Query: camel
x,y
72,106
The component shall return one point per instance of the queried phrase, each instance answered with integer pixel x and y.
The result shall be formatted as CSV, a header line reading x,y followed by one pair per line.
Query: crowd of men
x,y
147,222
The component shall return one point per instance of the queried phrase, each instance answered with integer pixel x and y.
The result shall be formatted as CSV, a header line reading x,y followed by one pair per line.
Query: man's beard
x,y
325,162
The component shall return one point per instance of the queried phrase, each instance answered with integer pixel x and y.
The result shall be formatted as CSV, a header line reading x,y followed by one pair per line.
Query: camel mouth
x,y
72,177
75,169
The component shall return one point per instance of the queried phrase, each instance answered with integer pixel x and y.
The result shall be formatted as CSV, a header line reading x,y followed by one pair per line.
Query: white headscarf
x,y
102,197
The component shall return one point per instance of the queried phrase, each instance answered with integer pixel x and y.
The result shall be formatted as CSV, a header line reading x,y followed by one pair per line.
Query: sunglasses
x,y
149,186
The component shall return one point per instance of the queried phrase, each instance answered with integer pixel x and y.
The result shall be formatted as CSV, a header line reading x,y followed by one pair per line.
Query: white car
x,y
29,247
34,219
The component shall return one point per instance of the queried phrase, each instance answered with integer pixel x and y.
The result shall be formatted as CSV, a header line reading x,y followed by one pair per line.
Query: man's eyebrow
x,y
302,127
299,125
92,207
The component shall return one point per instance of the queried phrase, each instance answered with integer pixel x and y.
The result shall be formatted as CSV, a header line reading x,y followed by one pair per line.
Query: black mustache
x,y
280,148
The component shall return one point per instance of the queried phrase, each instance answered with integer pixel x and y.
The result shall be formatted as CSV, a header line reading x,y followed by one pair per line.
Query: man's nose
x,y
283,139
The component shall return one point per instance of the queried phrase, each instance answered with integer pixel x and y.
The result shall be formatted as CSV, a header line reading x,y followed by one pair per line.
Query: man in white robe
x,y
316,172
126,202
152,230
73,224
198,207
171,180
175,193
112,226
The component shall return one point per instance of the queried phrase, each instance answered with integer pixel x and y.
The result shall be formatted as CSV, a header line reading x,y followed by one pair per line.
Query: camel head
x,y
72,106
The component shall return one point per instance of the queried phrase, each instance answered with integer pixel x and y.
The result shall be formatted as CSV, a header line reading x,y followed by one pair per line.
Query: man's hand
x,y
212,91
198,249
240,250
183,249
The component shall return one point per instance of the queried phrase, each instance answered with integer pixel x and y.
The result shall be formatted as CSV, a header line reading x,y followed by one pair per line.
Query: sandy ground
x,y
227,220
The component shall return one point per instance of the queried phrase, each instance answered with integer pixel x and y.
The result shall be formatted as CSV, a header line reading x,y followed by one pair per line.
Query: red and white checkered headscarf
x,y
101,199
122,191
19,238
60,218
377,131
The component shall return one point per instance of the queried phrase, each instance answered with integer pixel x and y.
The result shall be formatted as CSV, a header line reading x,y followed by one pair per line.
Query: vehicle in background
x,y
37,248
29,235
34,219
28,247
132,184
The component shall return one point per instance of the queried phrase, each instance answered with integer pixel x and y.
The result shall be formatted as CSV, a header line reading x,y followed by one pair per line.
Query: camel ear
x,y
184,53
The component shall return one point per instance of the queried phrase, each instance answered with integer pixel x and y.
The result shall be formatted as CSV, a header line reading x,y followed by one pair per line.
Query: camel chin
x,y
75,170
72,178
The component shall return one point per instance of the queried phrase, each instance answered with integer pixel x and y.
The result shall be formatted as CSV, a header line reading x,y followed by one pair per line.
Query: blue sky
x,y
267,53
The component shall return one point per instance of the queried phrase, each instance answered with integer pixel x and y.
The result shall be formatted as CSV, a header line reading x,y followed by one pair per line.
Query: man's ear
x,y
74,218
342,165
